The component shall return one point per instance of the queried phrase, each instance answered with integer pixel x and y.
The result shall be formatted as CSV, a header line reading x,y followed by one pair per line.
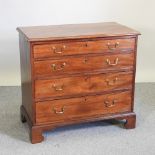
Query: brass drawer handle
x,y
109,104
112,46
112,64
111,82
58,88
56,67
58,50
59,112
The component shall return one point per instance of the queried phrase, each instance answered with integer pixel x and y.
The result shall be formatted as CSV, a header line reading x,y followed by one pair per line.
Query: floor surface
x,y
97,138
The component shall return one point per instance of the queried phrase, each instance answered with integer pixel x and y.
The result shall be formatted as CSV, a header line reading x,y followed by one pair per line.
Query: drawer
x,y
83,64
88,84
81,108
82,47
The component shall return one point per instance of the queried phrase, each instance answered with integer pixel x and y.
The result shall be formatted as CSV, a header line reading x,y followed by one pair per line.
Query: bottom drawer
x,y
74,108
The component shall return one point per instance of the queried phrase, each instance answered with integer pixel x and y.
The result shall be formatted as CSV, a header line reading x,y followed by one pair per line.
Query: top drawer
x,y
82,47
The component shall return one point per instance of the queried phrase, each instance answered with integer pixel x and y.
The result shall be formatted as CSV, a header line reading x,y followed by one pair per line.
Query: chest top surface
x,y
75,31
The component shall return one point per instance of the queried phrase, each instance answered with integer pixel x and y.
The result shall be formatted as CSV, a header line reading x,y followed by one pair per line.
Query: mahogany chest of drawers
x,y
75,74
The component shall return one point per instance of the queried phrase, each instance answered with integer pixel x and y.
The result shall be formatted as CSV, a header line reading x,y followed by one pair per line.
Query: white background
x,y
138,14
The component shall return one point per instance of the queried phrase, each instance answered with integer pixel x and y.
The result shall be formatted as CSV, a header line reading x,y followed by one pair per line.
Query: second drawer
x,y
83,64
87,84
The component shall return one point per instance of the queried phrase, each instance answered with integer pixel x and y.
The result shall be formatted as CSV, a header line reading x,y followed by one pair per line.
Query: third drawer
x,y
79,85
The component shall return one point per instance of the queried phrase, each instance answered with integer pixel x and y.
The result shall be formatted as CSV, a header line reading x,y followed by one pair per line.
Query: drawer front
x,y
85,47
83,64
88,84
76,108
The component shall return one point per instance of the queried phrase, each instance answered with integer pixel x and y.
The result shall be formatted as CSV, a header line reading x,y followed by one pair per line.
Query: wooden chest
x,y
77,73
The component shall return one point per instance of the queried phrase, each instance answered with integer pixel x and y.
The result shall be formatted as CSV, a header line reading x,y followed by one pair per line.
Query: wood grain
x,y
26,85
74,31
82,107
83,64
41,127
84,47
82,85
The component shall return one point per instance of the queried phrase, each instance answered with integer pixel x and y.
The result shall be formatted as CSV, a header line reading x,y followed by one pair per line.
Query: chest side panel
x,y
26,77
